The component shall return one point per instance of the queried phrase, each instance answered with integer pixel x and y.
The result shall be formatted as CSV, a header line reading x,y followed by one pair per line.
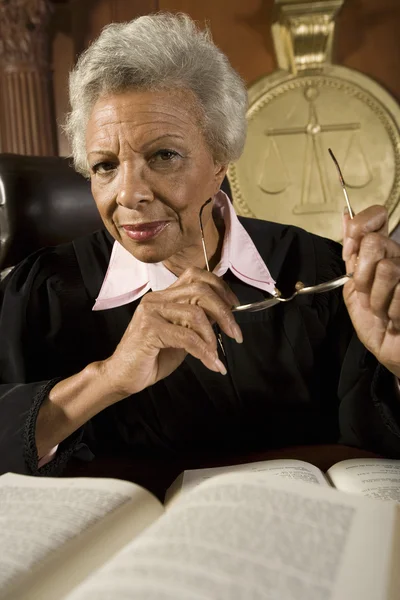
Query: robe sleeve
x,y
369,414
369,401
33,316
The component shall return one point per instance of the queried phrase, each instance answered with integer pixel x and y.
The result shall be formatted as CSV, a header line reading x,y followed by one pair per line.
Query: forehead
x,y
145,111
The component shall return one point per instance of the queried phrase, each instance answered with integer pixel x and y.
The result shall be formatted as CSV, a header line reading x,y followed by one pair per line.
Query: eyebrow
x,y
163,136
106,152
150,143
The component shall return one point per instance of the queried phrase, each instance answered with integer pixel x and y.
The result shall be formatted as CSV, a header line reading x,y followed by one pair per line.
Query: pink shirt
x,y
128,279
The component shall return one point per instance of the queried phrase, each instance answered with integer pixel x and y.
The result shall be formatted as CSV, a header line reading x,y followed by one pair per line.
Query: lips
x,y
145,231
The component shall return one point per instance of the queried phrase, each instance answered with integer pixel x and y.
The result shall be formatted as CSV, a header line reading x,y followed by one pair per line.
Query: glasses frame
x,y
300,288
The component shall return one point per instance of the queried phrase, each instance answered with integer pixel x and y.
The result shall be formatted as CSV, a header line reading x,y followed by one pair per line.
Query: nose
x,y
134,188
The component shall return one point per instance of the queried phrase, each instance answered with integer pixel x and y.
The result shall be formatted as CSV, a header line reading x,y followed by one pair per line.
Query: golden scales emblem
x,y
285,173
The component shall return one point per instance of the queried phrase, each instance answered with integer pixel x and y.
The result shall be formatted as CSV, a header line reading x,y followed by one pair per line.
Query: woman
x,y
114,340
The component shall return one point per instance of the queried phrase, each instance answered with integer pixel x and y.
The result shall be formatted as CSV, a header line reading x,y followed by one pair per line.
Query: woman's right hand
x,y
169,324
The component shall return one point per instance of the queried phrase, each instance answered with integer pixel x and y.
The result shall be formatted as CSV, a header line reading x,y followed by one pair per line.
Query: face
x,y
151,171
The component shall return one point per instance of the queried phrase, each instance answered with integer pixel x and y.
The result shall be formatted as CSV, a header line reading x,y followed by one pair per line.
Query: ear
x,y
219,174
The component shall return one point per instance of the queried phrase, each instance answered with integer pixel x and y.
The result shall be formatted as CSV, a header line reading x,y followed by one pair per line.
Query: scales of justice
x,y
285,173
314,160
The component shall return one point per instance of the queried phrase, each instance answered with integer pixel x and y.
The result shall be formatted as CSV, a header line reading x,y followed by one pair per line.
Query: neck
x,y
193,256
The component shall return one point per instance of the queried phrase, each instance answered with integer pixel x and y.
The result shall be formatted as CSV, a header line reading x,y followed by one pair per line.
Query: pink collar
x,y
127,278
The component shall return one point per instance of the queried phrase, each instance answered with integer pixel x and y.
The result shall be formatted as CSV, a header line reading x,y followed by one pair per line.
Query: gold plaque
x,y
285,173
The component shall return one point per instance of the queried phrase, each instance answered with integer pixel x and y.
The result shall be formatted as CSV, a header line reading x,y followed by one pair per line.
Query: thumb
x,y
349,244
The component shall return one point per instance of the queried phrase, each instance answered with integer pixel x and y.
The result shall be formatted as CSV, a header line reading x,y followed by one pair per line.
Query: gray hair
x,y
154,52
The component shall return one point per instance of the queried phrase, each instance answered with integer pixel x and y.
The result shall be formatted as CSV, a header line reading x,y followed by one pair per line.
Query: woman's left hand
x,y
372,296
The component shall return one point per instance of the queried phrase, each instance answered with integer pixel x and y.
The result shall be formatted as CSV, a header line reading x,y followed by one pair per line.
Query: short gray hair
x,y
155,52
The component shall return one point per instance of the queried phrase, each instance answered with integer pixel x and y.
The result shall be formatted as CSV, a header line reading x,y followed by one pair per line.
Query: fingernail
x,y
235,301
220,366
350,212
237,334
348,249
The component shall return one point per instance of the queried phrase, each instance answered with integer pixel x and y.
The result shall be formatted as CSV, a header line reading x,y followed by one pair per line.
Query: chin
x,y
149,254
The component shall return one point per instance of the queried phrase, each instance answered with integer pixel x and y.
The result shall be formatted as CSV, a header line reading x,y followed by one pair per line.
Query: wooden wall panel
x,y
368,40
125,10
63,53
74,26
240,29
89,17
367,36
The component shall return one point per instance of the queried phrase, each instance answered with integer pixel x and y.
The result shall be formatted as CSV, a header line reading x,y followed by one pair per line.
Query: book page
x,y
373,477
291,469
40,520
246,535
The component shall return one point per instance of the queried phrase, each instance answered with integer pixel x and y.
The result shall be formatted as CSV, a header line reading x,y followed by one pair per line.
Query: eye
x,y
164,155
102,167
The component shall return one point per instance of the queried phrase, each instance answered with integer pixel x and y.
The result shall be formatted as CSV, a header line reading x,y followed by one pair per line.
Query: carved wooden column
x,y
27,123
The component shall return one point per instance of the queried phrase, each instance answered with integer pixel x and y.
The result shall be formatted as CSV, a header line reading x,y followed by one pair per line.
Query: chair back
x,y
43,202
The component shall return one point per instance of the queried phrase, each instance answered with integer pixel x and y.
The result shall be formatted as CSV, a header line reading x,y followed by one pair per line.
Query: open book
x,y
244,535
376,478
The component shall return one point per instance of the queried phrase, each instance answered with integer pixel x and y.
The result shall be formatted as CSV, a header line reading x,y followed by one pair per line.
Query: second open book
x,y
376,478
257,533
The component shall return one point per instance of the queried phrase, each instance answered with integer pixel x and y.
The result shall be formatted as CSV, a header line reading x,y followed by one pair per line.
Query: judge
x,y
124,341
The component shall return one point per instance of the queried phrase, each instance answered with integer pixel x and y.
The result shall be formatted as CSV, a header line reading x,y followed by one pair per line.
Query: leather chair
x,y
43,202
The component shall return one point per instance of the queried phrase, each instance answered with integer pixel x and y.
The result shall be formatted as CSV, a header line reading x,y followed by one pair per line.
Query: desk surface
x,y
157,474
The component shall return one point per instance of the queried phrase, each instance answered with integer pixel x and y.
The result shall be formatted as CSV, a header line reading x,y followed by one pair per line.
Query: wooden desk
x,y
157,474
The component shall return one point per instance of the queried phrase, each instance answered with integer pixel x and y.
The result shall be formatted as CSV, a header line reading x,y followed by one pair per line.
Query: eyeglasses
x,y
203,242
300,288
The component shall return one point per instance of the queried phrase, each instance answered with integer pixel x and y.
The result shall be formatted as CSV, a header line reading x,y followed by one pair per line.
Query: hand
x,y
372,296
168,325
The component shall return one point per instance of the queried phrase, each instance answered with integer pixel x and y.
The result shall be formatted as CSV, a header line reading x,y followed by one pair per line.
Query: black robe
x,y
300,377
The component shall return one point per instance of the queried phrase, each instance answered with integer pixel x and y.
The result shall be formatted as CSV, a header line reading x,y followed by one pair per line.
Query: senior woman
x,y
124,341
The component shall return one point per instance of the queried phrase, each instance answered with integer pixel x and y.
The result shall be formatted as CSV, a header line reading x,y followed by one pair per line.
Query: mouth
x,y
145,231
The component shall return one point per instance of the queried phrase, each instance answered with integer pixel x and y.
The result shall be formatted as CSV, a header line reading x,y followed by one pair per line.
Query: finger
x,y
190,317
216,309
181,338
203,295
387,277
347,250
154,319
372,250
196,275
394,308
372,219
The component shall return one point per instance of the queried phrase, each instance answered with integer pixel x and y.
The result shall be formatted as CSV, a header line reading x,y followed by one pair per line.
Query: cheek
x,y
104,197
188,196
189,219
